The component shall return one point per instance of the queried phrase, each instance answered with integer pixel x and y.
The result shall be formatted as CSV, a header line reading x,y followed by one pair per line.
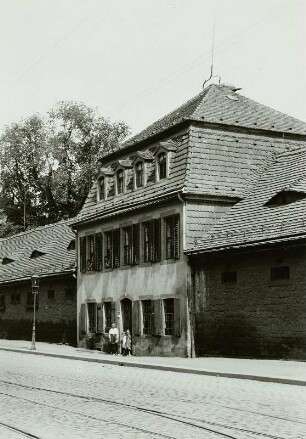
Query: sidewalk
x,y
276,371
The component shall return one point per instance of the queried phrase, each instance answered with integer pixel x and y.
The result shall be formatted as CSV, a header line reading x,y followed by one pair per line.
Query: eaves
x,y
27,278
125,208
244,245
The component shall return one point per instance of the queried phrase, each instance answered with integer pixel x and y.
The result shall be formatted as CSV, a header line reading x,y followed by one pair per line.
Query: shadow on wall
x,y
232,335
50,332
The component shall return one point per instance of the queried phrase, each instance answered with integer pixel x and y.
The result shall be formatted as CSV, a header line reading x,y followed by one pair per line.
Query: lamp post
x,y
35,285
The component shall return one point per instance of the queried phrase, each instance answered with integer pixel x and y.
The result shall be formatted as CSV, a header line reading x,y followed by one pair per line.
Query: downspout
x,y
189,306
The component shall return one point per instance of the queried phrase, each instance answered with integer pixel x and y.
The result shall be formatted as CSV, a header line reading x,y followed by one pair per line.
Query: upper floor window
x,y
162,165
139,174
131,245
151,241
172,237
120,181
112,249
91,252
101,188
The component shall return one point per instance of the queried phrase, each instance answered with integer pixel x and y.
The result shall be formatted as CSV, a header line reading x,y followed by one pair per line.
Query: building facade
x,y
49,253
151,203
248,272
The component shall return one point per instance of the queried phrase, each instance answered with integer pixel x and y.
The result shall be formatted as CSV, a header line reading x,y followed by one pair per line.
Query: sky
x,y
136,60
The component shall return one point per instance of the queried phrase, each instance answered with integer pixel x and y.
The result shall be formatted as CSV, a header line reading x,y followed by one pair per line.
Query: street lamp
x,y
35,285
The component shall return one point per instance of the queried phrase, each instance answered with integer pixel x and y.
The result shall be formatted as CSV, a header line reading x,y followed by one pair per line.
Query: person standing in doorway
x,y
113,336
128,343
124,343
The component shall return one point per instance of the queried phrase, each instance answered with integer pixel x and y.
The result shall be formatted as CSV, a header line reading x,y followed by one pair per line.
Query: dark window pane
x,y
280,273
120,181
162,165
139,174
169,316
92,317
229,277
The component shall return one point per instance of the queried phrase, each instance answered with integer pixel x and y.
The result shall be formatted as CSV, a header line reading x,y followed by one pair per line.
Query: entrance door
x,y
126,312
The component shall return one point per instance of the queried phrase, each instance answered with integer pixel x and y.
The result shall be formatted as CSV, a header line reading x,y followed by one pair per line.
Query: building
x,y
48,252
249,277
153,200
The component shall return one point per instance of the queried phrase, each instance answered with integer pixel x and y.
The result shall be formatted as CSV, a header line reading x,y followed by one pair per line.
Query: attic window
x,y
7,260
36,254
285,197
71,245
162,165
139,174
232,97
101,188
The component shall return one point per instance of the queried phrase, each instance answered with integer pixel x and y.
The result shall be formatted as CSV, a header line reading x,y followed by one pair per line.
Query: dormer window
x,y
162,165
139,174
101,188
163,154
286,196
120,181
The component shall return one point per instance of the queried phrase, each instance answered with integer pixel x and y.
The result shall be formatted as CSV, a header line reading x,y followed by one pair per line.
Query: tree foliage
x,y
48,164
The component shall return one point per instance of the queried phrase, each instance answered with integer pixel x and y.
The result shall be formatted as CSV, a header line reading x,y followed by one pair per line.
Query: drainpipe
x,y
189,307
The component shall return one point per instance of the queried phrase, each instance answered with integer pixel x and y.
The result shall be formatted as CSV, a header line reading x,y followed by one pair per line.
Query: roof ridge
x,y
37,229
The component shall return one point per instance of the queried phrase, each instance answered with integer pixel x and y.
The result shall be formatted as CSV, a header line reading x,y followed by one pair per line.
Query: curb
x,y
162,367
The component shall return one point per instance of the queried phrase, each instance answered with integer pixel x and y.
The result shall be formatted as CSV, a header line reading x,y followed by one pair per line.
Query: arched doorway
x,y
126,312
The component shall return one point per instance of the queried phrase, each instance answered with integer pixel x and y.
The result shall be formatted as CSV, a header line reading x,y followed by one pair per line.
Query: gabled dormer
x,y
121,175
140,165
163,155
103,183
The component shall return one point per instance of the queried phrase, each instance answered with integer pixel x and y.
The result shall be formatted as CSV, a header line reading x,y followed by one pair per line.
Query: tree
x,y
48,164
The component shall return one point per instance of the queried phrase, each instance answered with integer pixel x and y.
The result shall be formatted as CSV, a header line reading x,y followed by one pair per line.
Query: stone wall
x,y
55,317
255,316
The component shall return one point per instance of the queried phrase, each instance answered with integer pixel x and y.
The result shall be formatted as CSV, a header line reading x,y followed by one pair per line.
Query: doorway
x,y
126,312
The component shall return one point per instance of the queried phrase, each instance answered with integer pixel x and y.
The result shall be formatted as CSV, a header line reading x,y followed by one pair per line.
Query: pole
x,y
33,347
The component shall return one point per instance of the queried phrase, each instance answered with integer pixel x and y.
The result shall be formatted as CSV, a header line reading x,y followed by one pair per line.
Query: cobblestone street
x,y
57,398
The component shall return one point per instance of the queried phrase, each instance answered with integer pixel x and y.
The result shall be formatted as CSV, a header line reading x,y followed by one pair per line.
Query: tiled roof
x,y
153,191
209,160
251,221
51,240
221,104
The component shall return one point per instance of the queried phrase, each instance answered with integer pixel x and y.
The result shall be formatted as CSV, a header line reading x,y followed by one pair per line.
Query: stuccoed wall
x,y
160,280
255,317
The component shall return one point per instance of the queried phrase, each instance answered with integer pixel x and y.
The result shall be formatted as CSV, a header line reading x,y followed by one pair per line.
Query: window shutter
x,y
116,247
82,320
176,237
98,252
100,318
157,240
135,231
177,317
136,317
158,317
83,254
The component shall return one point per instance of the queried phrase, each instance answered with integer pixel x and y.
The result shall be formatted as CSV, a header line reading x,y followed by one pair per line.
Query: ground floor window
x,y
169,316
147,317
30,300
92,317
